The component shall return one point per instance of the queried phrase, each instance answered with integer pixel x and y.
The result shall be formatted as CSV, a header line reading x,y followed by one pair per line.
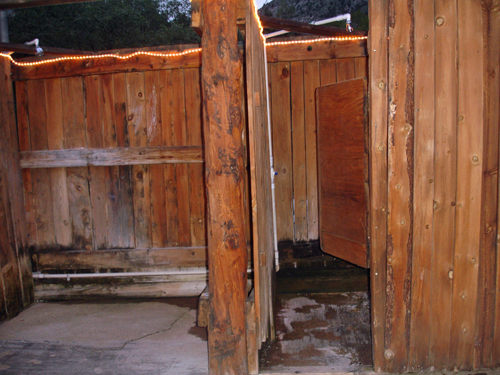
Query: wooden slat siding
x,y
75,134
194,138
328,70
400,185
157,179
55,136
282,148
137,130
180,139
299,151
111,156
311,82
360,67
260,178
345,69
320,50
423,204
126,259
485,320
25,145
122,210
93,89
166,98
493,30
445,161
15,278
469,183
104,66
378,132
41,179
109,134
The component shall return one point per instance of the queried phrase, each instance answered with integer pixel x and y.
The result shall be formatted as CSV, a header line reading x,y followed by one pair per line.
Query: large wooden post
x,y
224,152
16,283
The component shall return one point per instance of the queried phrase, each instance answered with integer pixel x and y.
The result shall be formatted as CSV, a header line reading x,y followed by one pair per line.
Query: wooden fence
x,y
112,157
295,71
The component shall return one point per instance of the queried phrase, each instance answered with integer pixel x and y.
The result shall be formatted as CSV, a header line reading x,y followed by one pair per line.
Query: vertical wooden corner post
x,y
224,151
16,282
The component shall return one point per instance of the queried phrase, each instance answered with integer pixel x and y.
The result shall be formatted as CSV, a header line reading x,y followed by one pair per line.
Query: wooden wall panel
x,y
446,261
304,77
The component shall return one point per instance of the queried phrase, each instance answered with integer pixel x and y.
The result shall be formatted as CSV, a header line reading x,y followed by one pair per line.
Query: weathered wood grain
x,y
227,254
328,71
73,113
400,184
469,182
311,82
315,50
445,167
72,68
299,151
346,69
423,203
282,148
111,156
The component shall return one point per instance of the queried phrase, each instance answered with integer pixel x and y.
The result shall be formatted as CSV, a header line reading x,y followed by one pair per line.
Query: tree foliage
x,y
105,24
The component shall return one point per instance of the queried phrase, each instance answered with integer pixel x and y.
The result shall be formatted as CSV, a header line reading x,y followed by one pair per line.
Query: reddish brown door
x,y
342,170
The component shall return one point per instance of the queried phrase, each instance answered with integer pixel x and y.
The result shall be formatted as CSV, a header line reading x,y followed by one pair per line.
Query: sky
x,y
259,3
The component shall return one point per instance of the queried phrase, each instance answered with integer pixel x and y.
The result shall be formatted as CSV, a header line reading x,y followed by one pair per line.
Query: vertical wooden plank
x,y
75,134
108,117
180,139
299,151
282,146
138,135
311,82
361,67
469,182
157,179
55,135
423,203
194,137
44,217
445,169
328,69
15,276
222,72
485,312
345,69
122,210
400,184
166,97
95,102
25,145
493,30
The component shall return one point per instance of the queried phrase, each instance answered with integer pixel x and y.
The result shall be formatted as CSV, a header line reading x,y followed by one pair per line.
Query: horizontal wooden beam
x,y
111,156
137,287
23,48
305,28
315,50
102,65
121,259
15,4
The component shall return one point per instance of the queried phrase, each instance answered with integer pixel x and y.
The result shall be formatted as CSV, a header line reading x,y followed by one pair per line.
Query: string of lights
x,y
173,54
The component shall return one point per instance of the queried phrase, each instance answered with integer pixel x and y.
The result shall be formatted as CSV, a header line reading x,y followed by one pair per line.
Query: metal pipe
x,y
342,17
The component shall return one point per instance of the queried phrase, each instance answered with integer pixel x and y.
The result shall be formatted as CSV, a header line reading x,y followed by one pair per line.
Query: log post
x,y
224,155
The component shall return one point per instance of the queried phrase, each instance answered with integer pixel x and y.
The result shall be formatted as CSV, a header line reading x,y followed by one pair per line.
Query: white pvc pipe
x,y
69,276
346,17
275,231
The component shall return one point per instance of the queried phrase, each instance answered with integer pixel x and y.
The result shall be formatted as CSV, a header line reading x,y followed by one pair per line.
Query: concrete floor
x,y
121,337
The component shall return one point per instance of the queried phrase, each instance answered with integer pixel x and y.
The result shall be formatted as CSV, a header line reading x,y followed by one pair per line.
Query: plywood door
x,y
342,172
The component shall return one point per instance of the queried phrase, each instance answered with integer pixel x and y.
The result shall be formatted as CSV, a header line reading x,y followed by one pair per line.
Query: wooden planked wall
x,y
149,215
295,71
435,98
